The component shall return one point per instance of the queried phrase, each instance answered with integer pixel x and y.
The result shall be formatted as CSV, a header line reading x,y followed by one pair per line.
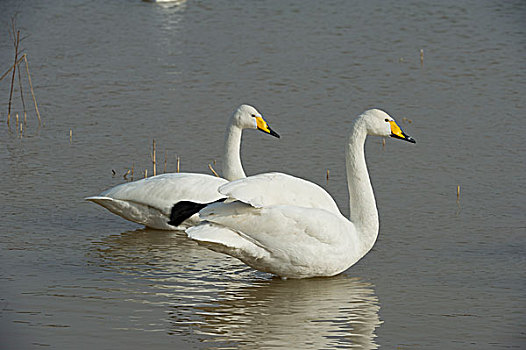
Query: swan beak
x,y
397,133
263,126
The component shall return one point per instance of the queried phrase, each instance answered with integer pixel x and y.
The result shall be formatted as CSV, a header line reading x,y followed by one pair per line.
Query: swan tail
x,y
135,212
106,202
128,210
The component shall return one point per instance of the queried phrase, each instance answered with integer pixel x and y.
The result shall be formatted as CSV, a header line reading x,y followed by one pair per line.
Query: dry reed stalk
x,y
459,208
154,160
165,161
327,176
212,169
125,176
22,94
23,58
32,92
178,161
70,135
17,41
145,173
10,68
383,143
422,57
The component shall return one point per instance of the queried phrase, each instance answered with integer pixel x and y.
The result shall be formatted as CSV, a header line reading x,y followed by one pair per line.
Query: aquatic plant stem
x,y
17,41
32,92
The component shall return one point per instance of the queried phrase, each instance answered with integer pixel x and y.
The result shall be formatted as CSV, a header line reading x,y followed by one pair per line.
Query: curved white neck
x,y
364,214
232,168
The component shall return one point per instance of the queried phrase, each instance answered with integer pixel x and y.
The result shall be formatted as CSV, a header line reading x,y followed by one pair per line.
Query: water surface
x,y
443,273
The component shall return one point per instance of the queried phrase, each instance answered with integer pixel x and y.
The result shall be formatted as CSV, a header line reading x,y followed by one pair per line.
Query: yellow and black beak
x,y
263,126
397,133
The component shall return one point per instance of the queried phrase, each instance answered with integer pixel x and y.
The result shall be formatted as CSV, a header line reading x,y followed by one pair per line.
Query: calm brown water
x,y
443,274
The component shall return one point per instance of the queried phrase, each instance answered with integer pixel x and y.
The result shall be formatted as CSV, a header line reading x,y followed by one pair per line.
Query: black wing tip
x,y
185,209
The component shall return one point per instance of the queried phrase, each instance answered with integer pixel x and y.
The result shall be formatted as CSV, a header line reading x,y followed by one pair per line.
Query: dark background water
x,y
443,273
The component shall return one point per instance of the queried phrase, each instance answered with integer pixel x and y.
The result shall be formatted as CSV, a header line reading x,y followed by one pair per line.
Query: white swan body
x,y
287,226
155,201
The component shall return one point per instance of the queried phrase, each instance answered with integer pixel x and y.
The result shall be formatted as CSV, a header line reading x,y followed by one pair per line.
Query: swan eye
x,y
387,120
253,116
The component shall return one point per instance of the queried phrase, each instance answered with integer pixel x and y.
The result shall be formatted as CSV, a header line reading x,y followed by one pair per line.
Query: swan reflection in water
x,y
223,304
177,5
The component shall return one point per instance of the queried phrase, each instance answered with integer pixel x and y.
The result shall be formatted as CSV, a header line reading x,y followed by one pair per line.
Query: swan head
x,y
248,117
379,123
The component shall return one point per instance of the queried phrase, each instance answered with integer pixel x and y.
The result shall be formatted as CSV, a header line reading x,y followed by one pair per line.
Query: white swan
x,y
171,201
292,228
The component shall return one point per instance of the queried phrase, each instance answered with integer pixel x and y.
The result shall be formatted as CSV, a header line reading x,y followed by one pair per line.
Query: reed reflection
x,y
223,304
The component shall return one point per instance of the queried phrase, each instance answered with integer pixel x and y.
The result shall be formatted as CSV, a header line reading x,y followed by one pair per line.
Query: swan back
x,y
269,189
162,191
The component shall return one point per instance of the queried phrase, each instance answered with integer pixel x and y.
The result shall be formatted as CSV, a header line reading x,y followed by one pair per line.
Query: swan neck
x,y
232,168
364,214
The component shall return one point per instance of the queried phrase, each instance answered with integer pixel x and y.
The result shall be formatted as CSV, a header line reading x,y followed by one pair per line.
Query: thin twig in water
x,y
17,40
165,161
459,208
32,92
154,160
22,94
11,68
212,169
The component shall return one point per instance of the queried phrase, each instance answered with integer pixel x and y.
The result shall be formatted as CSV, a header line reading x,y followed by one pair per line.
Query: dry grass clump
x,y
15,71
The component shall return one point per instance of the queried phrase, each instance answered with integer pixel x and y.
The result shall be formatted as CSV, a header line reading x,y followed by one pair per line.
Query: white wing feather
x,y
223,240
270,189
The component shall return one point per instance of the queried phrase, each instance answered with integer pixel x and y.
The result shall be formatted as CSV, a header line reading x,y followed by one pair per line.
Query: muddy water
x,y
444,273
